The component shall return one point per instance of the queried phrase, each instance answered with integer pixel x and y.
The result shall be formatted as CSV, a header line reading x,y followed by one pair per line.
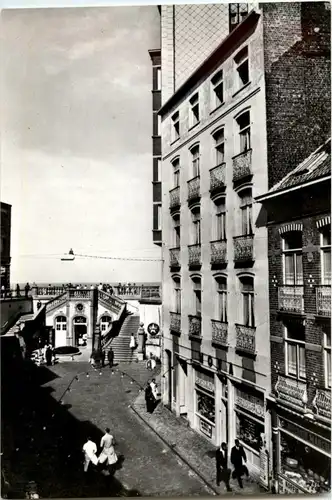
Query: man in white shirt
x,y
154,388
90,450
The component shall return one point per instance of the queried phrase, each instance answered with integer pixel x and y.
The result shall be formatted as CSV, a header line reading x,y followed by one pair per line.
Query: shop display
x,y
306,467
249,431
206,406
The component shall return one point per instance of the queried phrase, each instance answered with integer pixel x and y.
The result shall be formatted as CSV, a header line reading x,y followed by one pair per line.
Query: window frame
x,y
219,146
327,360
217,83
325,249
220,227
175,131
197,296
61,325
159,218
222,301
241,59
244,133
195,160
176,172
194,110
246,210
196,226
176,231
294,252
158,78
298,344
248,302
239,17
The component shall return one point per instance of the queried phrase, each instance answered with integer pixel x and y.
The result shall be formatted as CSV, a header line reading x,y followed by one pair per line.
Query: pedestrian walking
x,y
89,450
154,389
223,472
108,454
27,289
49,355
18,290
132,344
110,357
149,399
238,455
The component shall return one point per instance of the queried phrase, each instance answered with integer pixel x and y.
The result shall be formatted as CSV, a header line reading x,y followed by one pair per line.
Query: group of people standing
x,y
238,458
107,455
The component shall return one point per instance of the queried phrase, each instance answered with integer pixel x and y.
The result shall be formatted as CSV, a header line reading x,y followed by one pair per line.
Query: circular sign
x,y
153,329
79,307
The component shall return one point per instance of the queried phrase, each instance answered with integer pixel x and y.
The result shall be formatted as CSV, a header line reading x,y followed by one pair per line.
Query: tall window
x,y
176,222
158,79
196,218
327,358
220,229
195,161
194,110
61,323
246,212
242,67
177,295
175,126
158,218
197,296
247,290
243,122
325,242
218,89
105,322
219,139
222,299
292,254
295,350
176,172
237,12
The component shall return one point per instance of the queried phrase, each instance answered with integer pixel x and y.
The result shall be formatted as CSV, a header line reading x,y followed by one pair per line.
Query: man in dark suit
x,y
223,473
237,455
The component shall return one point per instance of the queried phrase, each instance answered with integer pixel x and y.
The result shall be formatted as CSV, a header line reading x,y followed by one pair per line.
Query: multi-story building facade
x,y
299,225
156,145
218,141
5,244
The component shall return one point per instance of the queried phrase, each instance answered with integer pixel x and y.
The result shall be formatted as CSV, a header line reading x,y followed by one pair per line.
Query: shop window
x,y
325,247
175,126
304,466
195,161
220,220
327,358
218,89
176,172
222,299
295,350
247,291
61,323
194,110
246,212
249,430
196,225
242,67
205,405
237,12
243,123
292,258
219,139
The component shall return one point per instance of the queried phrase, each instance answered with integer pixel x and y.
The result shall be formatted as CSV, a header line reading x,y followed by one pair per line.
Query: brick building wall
x,y
297,64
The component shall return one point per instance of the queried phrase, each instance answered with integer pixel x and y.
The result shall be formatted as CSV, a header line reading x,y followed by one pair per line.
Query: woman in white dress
x,y
108,454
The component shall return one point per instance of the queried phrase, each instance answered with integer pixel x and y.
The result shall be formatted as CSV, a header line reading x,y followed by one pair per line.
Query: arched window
x,y
219,140
292,257
61,323
248,306
246,211
197,291
196,225
176,172
221,283
195,156
177,294
325,247
220,220
243,123
105,322
177,231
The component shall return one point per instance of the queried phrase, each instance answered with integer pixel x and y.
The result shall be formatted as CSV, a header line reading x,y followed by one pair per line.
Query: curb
x,y
207,484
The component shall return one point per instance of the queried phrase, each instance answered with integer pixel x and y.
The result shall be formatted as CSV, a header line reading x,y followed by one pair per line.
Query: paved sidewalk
x,y
192,448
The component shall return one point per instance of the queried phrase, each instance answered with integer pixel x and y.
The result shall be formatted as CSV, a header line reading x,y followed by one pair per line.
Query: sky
x,y
76,148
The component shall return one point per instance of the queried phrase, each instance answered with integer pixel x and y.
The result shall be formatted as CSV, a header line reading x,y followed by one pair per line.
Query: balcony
x,y
219,333
292,391
291,299
246,339
195,325
242,166
194,252
194,189
175,324
323,300
243,248
174,198
174,258
218,253
218,178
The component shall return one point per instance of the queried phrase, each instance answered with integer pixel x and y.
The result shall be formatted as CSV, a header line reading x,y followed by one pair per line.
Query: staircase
x,y
120,344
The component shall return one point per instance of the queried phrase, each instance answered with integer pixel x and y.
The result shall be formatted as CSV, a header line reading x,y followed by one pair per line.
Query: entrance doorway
x,y
80,331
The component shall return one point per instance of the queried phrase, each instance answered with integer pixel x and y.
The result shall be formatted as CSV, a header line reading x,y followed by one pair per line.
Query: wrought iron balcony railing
x,y
291,298
195,325
242,165
218,252
246,339
244,248
174,198
194,190
175,324
323,300
174,257
194,252
219,332
218,178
